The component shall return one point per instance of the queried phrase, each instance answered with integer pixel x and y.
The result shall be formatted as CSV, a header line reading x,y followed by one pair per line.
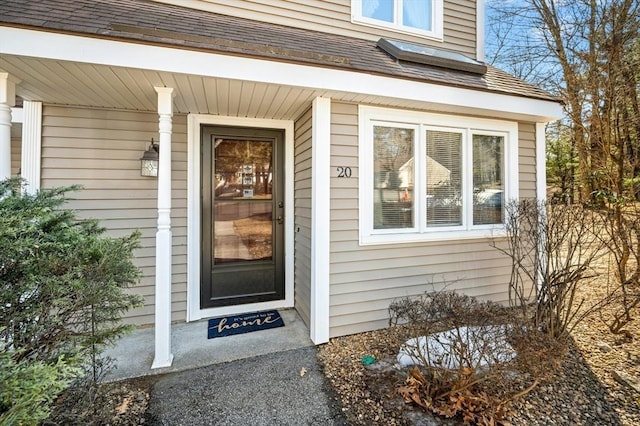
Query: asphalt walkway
x,y
268,377
282,388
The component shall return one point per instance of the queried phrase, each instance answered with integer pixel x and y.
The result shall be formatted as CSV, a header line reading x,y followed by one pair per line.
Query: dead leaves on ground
x,y
452,395
124,405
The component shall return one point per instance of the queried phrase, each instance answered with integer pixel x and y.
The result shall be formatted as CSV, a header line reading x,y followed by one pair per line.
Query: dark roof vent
x,y
410,52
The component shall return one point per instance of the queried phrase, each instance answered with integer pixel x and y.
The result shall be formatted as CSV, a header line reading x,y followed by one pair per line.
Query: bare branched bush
x,y
472,358
553,248
620,233
447,309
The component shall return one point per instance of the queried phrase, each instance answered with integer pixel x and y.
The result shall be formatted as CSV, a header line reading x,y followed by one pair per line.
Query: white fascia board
x,y
47,45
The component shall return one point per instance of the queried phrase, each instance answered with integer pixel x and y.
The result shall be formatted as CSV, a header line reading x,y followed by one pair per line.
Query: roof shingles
x,y
151,22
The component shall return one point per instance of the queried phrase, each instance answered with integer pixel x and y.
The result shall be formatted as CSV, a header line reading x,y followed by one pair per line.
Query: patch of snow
x,y
475,347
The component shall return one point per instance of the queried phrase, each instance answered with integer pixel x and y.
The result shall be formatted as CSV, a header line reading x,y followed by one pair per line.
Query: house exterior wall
x,y
366,279
302,213
527,159
16,150
334,16
100,150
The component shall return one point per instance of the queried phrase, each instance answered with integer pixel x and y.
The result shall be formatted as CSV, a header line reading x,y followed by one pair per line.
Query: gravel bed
x,y
582,392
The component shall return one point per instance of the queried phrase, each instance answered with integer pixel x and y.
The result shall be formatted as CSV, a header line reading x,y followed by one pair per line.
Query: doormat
x,y
244,323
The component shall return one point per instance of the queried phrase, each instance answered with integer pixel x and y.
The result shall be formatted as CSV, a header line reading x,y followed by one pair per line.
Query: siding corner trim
x,y
320,215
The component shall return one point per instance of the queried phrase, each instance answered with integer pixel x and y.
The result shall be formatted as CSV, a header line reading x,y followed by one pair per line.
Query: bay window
x,y
430,176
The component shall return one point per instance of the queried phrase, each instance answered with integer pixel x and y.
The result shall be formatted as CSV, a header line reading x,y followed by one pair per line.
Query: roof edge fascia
x,y
109,52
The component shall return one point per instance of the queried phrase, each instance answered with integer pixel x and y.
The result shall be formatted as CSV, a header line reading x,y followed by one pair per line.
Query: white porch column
x,y
7,100
31,145
320,213
163,355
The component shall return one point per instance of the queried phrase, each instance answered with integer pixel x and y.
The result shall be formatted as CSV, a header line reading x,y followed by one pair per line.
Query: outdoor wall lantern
x,y
149,161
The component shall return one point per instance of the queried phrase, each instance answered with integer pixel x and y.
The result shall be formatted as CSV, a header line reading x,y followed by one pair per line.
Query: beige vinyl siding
x,y
366,279
527,159
16,155
100,150
334,16
302,216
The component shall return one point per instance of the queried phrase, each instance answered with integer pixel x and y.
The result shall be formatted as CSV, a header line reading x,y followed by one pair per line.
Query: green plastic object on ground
x,y
368,360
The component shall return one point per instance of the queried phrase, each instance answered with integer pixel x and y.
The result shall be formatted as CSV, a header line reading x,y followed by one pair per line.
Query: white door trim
x,y
194,122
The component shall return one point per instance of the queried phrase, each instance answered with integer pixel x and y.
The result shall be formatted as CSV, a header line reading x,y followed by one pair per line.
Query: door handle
x,y
280,220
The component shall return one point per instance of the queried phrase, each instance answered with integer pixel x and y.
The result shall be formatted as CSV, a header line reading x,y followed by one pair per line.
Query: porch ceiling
x,y
91,85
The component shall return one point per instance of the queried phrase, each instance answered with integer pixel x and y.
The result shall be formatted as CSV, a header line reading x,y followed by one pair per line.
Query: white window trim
x,y
468,125
437,33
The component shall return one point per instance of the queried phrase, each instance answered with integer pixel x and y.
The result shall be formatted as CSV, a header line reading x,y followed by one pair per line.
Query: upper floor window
x,y
422,17
432,176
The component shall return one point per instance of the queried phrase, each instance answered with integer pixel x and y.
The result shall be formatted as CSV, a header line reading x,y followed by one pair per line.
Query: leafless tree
x,y
587,52
620,233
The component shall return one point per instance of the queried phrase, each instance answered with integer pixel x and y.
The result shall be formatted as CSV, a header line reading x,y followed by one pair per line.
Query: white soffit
x,y
65,47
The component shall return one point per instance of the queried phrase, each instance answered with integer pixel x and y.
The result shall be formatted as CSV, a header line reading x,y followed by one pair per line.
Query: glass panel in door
x,y
243,201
